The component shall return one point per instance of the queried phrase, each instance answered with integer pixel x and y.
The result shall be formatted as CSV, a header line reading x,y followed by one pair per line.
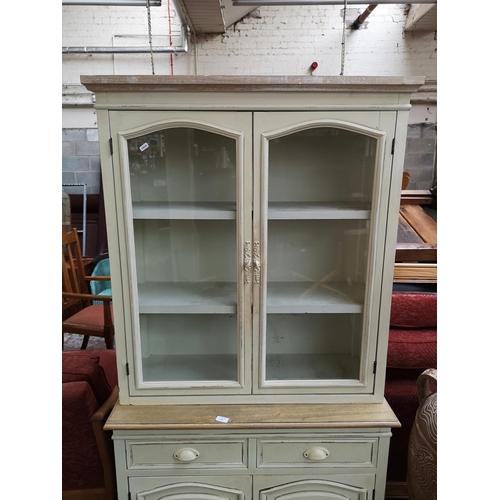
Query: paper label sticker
x,y
224,420
144,146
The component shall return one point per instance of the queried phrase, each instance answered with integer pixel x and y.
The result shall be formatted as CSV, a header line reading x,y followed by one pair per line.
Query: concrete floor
x,y
73,342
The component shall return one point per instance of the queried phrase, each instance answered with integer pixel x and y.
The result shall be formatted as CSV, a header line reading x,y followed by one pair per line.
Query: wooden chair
x,y
79,314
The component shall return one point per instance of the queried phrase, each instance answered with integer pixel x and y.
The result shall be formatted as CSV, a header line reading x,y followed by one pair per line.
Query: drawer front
x,y
186,454
317,453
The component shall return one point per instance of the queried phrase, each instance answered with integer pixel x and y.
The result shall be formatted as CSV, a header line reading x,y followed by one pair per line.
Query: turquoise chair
x,y
101,287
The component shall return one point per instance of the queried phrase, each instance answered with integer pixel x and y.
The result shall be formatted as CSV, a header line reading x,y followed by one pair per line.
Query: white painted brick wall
x,y
271,40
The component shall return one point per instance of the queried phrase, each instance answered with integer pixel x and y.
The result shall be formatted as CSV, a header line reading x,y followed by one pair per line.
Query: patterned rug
x,y
73,342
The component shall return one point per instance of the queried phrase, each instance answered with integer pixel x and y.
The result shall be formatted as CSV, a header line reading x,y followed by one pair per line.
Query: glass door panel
x,y
183,347
183,190
320,189
323,168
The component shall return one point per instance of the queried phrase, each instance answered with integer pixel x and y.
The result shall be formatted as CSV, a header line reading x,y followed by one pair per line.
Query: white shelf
x,y
301,297
176,367
227,210
184,210
312,367
318,210
286,297
185,298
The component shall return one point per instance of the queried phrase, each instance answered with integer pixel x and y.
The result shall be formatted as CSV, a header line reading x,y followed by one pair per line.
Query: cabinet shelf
x,y
200,298
227,210
220,298
179,368
184,210
312,367
318,210
310,297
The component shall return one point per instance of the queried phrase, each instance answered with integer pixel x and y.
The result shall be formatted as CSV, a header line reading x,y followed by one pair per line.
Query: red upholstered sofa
x,y
89,392
412,349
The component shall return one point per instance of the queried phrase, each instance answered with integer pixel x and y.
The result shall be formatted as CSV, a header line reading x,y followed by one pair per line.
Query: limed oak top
x,y
251,83
251,416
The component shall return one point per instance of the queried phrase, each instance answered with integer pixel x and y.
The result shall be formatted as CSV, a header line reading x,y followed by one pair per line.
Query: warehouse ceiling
x,y
215,16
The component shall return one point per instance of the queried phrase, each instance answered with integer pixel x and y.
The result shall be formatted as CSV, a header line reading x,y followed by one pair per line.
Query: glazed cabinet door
x,y
187,488
182,187
321,189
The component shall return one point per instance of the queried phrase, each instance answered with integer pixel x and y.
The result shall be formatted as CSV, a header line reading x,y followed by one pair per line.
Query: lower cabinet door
x,y
313,489
191,488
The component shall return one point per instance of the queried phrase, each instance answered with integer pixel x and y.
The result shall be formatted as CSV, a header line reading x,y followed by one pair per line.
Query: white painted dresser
x,y
252,227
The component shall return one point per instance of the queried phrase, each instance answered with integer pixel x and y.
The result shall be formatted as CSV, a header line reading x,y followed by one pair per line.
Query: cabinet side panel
x,y
393,196
117,259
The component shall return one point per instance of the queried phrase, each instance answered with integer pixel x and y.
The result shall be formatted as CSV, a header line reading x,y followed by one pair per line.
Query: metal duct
x,y
258,3
131,50
121,3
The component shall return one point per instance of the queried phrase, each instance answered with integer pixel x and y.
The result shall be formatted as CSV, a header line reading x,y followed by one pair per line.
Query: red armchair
x,y
89,392
412,349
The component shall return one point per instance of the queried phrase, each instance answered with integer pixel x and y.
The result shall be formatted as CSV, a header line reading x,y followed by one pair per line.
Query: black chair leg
x,y
85,342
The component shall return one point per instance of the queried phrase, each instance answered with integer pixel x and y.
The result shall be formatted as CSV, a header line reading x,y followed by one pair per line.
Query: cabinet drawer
x,y
186,454
320,453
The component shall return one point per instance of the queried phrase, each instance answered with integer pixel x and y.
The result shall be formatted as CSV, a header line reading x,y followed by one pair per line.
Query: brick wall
x,y
286,40
81,163
269,40
420,155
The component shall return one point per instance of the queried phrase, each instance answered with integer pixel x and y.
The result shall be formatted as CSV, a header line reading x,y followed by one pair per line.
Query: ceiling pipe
x,y
258,3
361,19
120,3
131,50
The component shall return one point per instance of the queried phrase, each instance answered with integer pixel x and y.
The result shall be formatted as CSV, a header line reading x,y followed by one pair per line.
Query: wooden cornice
x,y
224,83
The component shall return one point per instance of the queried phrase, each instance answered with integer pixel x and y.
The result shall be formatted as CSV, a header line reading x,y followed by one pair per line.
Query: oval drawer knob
x,y
186,455
316,453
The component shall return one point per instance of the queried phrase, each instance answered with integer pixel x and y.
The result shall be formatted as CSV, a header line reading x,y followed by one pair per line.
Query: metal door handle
x,y
256,262
247,262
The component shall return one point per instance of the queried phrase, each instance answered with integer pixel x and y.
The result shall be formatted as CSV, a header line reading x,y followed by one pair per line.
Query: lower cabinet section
x,y
240,488
346,464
